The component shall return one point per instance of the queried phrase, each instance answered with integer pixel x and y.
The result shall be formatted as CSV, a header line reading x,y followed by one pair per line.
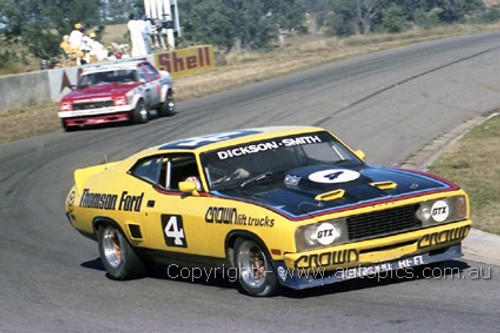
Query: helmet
x,y
78,26
196,180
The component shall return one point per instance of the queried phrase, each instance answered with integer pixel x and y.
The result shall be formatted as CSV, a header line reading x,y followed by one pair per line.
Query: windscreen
x,y
237,166
105,77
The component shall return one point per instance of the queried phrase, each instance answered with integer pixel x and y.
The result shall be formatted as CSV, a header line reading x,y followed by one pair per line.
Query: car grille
x,y
93,105
385,222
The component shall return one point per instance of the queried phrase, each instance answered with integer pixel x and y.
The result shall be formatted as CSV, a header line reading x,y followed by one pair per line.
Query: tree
x,y
394,19
455,10
243,24
39,24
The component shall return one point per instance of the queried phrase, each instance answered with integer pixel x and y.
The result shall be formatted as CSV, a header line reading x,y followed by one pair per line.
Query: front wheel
x,y
118,257
140,115
256,274
167,108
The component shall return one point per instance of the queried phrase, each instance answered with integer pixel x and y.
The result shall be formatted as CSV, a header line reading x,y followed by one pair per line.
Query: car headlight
x,y
66,106
120,101
443,210
322,234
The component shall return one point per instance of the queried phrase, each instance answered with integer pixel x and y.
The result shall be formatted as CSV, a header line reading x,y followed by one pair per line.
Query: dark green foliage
x,y
347,17
394,19
245,24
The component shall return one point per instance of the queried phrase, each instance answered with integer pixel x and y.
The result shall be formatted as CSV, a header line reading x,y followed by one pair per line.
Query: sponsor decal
x,y
71,201
282,273
186,61
291,180
334,176
326,259
268,145
326,233
440,211
443,237
206,139
225,215
358,272
173,230
222,215
124,202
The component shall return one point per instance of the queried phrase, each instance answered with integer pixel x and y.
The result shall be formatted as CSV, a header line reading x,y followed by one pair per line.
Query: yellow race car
x,y
281,206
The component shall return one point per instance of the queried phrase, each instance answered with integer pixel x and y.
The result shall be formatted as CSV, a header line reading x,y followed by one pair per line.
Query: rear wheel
x,y
256,274
167,108
140,115
118,257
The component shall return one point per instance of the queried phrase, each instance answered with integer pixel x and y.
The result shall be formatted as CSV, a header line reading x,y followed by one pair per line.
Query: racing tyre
x,y
167,108
140,115
256,274
118,257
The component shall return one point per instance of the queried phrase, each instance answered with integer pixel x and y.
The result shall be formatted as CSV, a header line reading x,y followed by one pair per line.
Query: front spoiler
x,y
95,112
308,278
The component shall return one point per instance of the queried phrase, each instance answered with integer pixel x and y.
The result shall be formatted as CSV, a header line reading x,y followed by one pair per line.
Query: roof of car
x,y
122,64
216,140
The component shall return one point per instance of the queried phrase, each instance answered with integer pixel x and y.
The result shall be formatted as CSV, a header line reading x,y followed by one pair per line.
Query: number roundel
x,y
334,176
173,230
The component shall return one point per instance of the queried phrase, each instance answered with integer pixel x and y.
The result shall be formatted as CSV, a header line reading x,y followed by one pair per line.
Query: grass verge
x,y
474,163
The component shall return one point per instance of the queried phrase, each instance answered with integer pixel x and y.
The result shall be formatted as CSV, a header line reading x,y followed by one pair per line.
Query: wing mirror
x,y
360,154
189,187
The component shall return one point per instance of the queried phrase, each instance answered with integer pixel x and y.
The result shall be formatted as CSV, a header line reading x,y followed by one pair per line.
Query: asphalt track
x,y
389,104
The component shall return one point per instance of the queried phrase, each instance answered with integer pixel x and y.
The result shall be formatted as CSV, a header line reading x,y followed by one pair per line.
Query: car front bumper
x,y
398,268
95,112
347,261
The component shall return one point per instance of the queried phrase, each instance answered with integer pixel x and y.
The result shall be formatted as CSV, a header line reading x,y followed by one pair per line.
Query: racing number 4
x,y
173,230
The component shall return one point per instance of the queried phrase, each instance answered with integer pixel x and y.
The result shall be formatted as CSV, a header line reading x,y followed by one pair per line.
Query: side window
x,y
176,168
142,74
148,169
153,74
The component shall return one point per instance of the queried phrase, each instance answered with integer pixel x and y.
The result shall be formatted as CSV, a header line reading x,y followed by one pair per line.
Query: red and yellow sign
x,y
184,62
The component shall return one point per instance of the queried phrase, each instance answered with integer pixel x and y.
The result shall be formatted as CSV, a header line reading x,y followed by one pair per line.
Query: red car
x,y
120,92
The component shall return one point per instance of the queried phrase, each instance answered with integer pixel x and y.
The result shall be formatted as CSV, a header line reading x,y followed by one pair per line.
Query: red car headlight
x,y
66,106
122,100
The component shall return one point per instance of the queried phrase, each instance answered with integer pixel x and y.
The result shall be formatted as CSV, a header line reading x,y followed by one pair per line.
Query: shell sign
x,y
188,61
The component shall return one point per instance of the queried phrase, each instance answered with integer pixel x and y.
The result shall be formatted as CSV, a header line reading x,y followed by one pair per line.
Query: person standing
x,y
136,28
96,48
147,33
76,36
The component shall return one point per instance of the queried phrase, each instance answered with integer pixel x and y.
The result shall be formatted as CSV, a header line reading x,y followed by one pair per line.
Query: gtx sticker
x,y
334,176
267,145
326,234
327,258
440,211
173,230
125,202
443,237
226,215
